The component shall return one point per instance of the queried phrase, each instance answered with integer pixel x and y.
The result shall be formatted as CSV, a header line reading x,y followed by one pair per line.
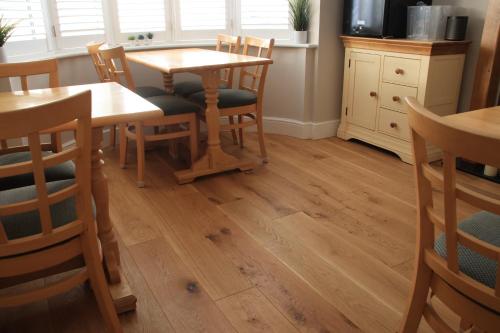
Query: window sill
x,y
77,52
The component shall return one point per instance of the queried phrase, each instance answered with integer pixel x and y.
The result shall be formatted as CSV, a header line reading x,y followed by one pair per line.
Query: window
x,y
77,18
201,19
265,18
30,29
136,16
49,25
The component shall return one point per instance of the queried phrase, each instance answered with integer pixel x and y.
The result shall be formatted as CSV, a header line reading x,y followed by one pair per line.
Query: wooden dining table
x,y
207,64
111,104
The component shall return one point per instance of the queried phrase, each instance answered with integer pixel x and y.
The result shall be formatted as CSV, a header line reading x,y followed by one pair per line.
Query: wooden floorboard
x,y
320,239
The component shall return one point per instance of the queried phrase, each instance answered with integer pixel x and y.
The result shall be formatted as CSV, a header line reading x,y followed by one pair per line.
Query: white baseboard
x,y
300,129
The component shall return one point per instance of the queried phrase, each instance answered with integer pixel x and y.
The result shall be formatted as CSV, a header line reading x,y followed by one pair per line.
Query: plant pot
x,y
4,82
300,37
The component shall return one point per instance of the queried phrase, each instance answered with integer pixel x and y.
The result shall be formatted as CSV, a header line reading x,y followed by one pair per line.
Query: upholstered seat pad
x,y
148,91
228,98
61,171
486,227
173,105
26,224
187,88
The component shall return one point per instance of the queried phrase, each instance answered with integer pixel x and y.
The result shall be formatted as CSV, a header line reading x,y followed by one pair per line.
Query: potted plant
x,y
131,39
140,39
149,36
6,30
300,18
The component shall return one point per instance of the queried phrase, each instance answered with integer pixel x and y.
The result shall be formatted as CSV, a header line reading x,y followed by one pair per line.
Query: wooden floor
x,y
320,239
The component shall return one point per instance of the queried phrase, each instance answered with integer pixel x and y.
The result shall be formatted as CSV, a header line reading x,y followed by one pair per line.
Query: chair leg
x,y
418,302
240,130
233,131
260,130
141,154
98,282
123,145
193,138
112,136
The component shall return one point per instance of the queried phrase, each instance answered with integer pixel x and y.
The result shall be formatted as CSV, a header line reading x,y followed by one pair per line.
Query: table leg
x,y
122,295
215,159
168,83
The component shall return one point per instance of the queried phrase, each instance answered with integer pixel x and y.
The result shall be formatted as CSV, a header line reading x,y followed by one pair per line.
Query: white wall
x,y
476,10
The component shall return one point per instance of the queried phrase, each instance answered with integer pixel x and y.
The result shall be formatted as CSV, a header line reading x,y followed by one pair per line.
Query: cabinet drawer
x,y
394,124
392,96
401,71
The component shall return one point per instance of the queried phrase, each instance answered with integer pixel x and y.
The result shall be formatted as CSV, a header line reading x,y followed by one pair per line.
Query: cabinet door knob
x,y
399,71
373,94
394,125
396,98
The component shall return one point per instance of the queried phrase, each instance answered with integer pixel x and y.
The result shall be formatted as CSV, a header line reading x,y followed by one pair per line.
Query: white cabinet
x,y
379,74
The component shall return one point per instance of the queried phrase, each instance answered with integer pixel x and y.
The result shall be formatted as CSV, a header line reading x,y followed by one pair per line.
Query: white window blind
x,y
79,17
141,15
28,16
202,14
264,14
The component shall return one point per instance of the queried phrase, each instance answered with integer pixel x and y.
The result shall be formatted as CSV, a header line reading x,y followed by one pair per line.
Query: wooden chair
x,y
50,224
245,102
25,69
177,110
100,68
462,266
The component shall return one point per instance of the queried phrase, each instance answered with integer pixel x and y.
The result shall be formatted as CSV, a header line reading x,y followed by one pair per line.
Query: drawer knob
x,y
373,94
394,125
396,98
399,71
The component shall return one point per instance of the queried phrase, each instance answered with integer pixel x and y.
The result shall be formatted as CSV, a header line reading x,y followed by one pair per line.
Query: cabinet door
x,y
364,75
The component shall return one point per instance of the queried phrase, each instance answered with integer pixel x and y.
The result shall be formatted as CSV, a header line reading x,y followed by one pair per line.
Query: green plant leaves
x,y
300,14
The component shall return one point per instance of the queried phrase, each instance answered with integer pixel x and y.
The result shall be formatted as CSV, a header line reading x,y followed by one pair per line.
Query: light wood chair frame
x,y
251,115
23,70
476,304
102,74
34,256
135,131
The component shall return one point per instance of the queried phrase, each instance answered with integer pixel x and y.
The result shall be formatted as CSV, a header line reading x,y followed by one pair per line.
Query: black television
x,y
377,18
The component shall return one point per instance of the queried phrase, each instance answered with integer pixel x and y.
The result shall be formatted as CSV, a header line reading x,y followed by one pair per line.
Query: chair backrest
x,y
230,44
256,75
25,69
99,65
117,65
30,122
428,128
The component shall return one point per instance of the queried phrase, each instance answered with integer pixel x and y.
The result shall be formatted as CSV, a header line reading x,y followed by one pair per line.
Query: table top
x,y
111,102
193,60
483,121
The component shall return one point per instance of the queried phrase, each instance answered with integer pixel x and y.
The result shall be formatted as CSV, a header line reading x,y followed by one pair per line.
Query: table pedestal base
x,y
214,161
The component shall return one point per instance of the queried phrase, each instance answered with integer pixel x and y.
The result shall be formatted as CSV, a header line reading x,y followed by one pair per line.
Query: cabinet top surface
x,y
421,47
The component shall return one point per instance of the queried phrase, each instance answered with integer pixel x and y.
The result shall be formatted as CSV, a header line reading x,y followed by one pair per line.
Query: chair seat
x,y
486,227
228,98
62,171
148,91
26,224
187,88
174,105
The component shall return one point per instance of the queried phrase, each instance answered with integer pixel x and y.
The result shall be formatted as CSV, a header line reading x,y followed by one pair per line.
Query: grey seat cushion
x,y
486,227
173,105
187,88
147,91
26,224
228,98
62,171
